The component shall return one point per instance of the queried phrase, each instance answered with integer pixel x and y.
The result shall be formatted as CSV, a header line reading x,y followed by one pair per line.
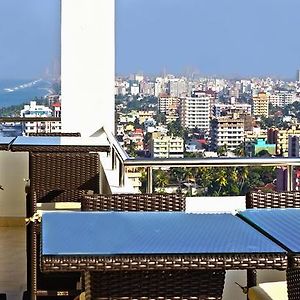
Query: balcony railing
x,y
123,161
120,159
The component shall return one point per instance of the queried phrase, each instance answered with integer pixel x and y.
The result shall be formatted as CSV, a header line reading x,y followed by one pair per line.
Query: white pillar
x,y
87,65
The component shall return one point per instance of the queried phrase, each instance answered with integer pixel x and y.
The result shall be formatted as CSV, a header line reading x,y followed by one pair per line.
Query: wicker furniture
x,y
133,202
273,199
60,144
56,177
174,247
5,142
282,226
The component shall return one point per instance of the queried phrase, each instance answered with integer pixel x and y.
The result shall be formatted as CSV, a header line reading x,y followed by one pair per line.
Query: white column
x,y
87,65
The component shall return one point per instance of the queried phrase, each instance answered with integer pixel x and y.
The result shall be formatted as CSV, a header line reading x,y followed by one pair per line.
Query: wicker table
x,y
60,144
282,226
5,142
114,242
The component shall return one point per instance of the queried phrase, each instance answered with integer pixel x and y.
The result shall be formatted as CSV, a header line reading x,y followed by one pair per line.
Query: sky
x,y
29,38
209,37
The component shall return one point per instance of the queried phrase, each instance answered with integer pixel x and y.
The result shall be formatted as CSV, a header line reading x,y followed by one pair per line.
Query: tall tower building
x,y
195,111
227,131
260,105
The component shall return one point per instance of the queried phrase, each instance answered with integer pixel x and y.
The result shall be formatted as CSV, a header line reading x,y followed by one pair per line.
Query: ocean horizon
x,y
19,91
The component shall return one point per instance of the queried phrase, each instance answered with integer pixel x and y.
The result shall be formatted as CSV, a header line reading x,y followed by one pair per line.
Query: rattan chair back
x,y
273,199
134,202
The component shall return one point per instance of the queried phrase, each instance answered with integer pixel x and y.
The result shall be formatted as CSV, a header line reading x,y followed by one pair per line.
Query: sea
x,y
14,92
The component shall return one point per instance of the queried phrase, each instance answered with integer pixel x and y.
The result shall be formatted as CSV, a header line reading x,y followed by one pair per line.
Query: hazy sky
x,y
214,37
29,37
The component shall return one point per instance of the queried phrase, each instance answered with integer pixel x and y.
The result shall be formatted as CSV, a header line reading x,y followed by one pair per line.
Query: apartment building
x,y
280,137
282,98
220,109
260,105
163,146
169,106
196,110
227,131
34,110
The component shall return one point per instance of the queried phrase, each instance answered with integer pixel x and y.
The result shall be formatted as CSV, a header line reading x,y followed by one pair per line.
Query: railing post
x,y
290,177
113,158
149,188
121,174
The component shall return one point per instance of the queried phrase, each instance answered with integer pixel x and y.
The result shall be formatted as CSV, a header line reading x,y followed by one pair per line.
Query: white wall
x,y
87,65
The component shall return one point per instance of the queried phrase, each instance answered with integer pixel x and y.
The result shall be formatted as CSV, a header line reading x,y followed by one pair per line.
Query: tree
x,y
131,149
222,150
221,180
161,179
240,150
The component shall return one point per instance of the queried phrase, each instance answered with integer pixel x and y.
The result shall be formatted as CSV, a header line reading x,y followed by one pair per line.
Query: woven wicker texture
x,y
293,281
45,196
64,171
273,199
164,262
3,147
55,134
155,285
134,202
56,177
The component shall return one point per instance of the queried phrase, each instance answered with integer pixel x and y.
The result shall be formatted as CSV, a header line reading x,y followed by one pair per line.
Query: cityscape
x,y
170,116
186,109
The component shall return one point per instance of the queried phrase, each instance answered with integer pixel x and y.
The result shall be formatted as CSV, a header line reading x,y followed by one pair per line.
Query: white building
x,y
195,111
282,98
169,106
134,89
159,86
33,110
227,131
163,146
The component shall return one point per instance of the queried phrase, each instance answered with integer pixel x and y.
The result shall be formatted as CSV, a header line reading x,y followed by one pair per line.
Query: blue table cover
x,y
283,224
118,233
6,140
59,141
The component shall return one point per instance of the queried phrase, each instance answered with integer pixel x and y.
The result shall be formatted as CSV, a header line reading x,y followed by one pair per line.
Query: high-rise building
x,y
196,111
282,98
260,105
227,131
169,106
298,75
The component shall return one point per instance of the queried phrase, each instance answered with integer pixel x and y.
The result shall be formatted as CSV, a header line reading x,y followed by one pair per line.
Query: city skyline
x,y
229,38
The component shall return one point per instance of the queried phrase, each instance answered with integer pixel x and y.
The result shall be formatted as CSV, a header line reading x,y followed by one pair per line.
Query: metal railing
x,y
150,163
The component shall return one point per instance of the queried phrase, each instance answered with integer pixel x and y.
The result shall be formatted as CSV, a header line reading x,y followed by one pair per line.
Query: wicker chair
x,y
288,199
56,177
148,284
273,199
